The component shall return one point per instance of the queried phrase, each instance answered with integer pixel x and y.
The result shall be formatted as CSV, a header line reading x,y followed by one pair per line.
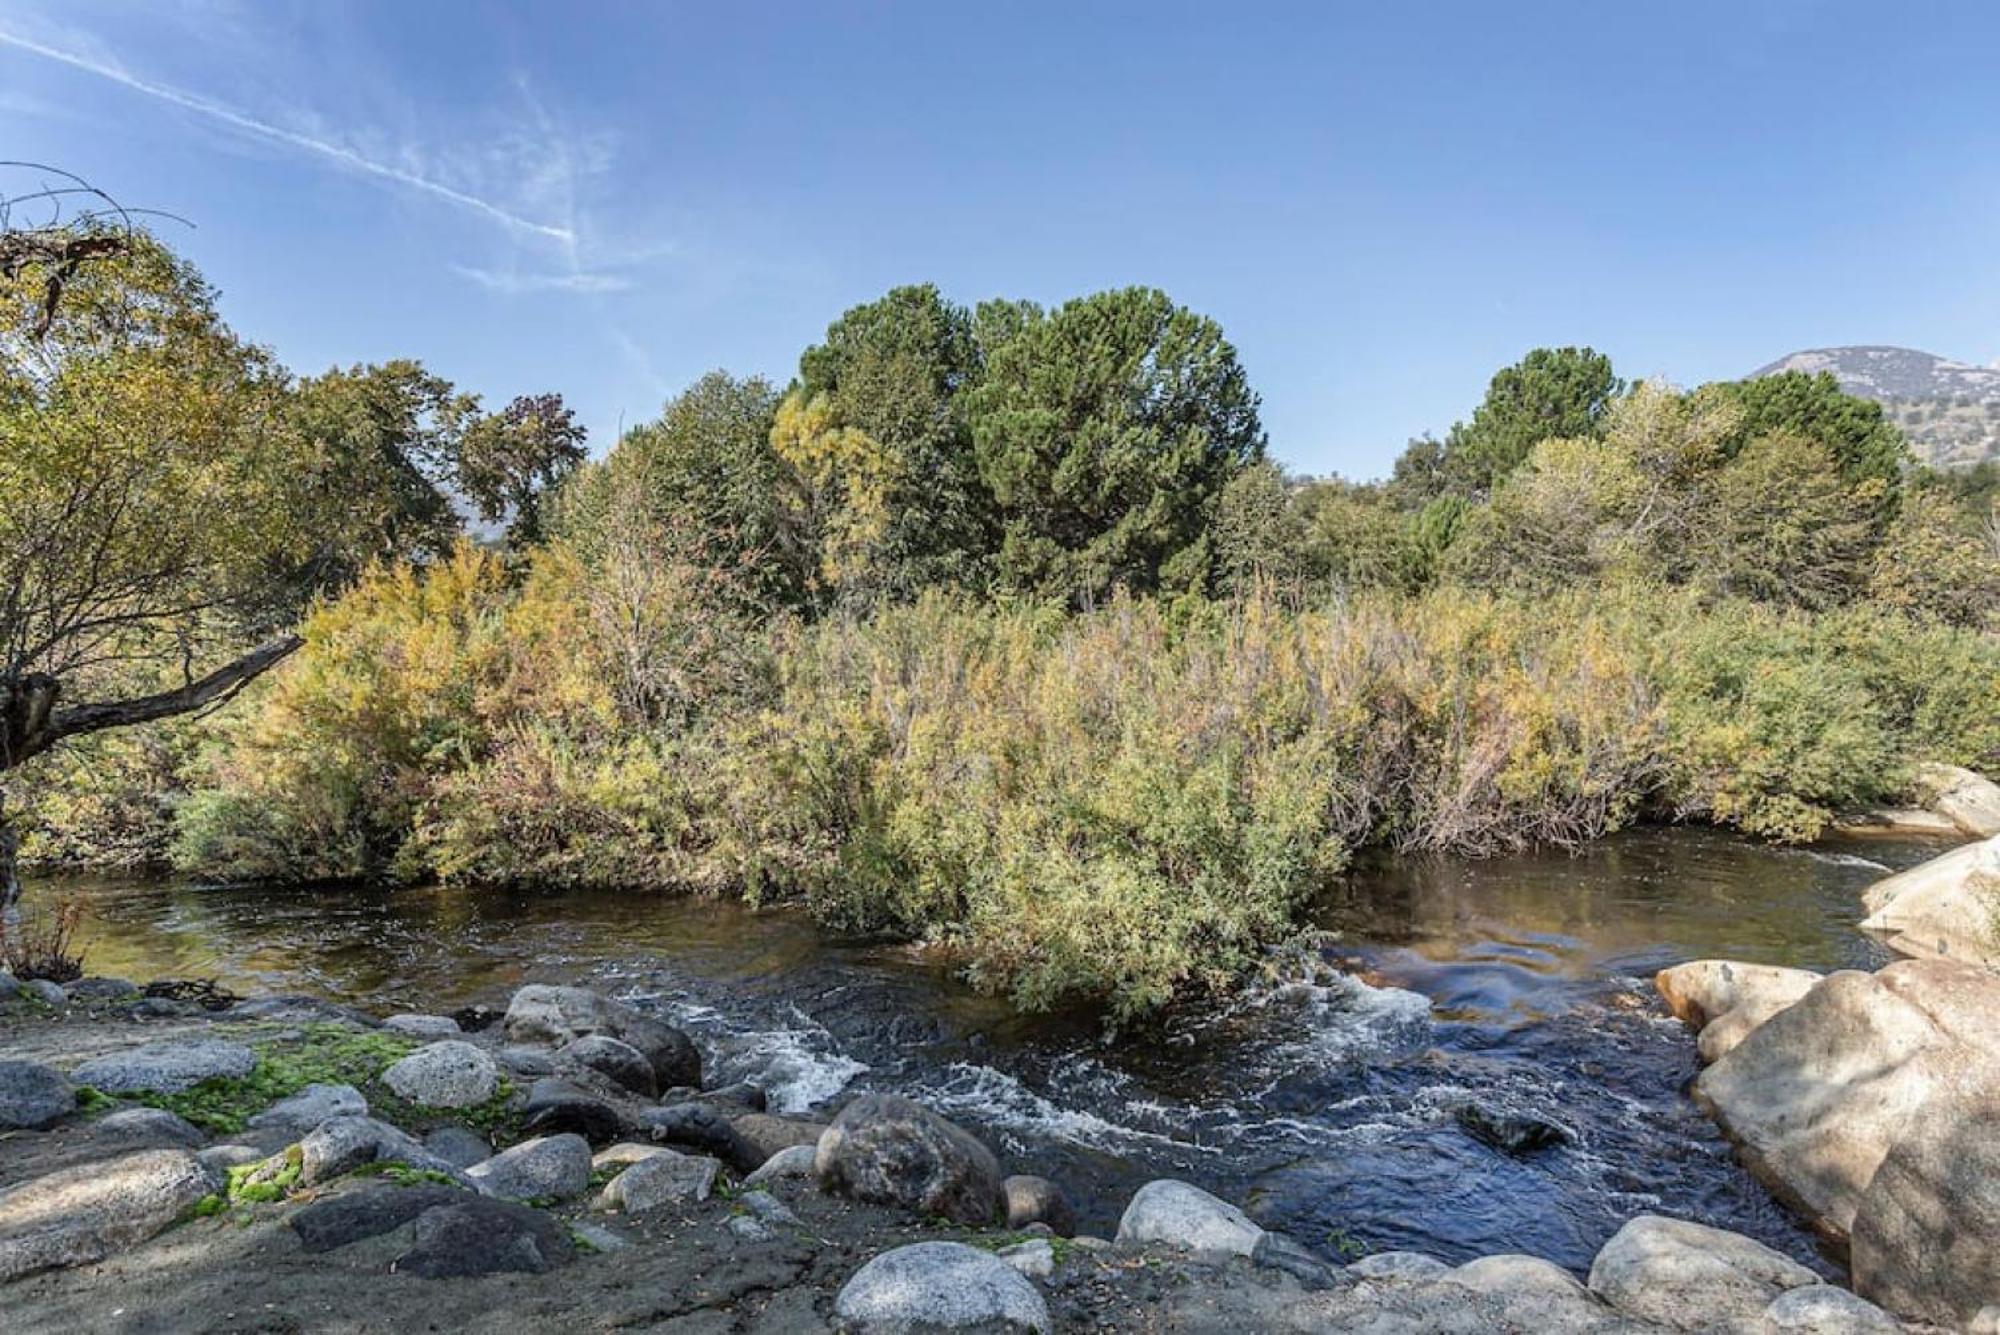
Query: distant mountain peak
x,y
1949,409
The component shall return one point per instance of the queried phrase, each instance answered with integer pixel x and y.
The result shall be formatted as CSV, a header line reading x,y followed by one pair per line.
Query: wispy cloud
x,y
324,148
514,284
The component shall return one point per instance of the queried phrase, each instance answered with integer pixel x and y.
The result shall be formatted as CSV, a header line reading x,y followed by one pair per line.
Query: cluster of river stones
x,y
1869,1102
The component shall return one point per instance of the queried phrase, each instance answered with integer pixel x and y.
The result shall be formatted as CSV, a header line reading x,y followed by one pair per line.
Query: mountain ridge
x,y
1950,410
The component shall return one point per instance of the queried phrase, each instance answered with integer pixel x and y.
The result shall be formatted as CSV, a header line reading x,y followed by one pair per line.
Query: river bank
x,y
290,1208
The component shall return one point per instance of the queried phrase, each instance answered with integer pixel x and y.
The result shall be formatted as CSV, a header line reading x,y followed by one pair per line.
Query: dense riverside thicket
x,y
997,628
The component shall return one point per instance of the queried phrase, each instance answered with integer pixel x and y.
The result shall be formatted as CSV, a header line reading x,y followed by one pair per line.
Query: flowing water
x,y
1323,1098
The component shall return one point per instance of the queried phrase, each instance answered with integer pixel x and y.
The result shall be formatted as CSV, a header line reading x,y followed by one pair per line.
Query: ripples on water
x,y
1324,1098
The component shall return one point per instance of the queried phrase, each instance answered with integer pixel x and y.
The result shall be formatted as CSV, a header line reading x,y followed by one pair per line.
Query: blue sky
x,y
1381,203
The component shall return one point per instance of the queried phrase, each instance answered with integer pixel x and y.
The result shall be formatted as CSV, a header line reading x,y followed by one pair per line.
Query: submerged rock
x,y
547,1168
891,1151
939,1286
447,1074
1515,1133
1947,908
1184,1216
166,1068
83,1214
1398,1265
1687,1276
33,1095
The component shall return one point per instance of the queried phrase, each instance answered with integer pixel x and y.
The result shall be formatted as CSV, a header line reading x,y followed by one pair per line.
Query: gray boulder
x,y
100,989
890,1151
555,1106
10,986
548,1168
939,1286
156,1127
46,992
796,1162
698,1127
166,1068
336,1221
1526,1293
423,1026
768,1134
82,1215
450,1073
33,1095
614,1059
309,1107
1036,1200
1398,1265
556,1016
1687,1276
1183,1216
458,1147
661,1179
1279,1251
340,1145
1823,1309
474,1236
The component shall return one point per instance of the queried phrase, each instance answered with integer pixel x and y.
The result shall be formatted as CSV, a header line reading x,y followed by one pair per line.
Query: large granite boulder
x,y
1815,1098
82,1215
939,1286
1926,1235
890,1151
1183,1216
314,1104
1687,1276
1723,1000
339,1145
33,1095
166,1068
557,1016
1948,907
1970,801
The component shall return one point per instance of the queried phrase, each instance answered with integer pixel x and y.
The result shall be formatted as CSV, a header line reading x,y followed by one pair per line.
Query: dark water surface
x,y
1323,1099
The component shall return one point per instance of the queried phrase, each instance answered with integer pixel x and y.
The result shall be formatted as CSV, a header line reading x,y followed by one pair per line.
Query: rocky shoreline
x,y
284,1163
1870,1102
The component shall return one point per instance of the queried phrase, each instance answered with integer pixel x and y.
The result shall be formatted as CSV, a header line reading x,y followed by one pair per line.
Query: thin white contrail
x,y
346,157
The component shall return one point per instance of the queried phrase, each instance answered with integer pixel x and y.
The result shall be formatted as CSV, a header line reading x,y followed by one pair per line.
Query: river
x,y
1324,1099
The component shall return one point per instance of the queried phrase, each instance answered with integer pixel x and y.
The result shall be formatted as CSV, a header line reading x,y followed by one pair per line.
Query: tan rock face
x,y
1926,1238
1948,907
1873,1105
1724,1001
1970,801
